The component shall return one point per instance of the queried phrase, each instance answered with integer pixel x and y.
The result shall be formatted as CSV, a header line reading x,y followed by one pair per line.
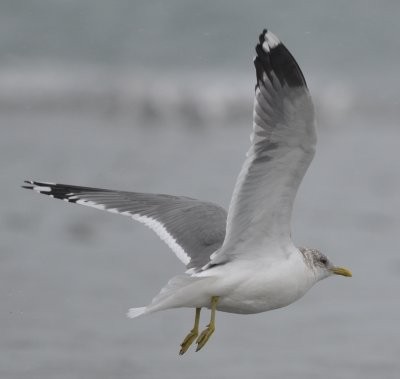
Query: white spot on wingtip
x,y
271,41
265,46
42,189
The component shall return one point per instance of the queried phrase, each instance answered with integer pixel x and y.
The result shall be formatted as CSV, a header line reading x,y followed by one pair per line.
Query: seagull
x,y
241,261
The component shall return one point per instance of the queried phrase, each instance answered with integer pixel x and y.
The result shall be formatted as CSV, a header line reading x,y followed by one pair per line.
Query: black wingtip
x,y
40,187
65,192
274,57
29,185
261,37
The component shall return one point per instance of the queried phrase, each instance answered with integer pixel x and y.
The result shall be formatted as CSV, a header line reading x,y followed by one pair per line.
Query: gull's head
x,y
321,265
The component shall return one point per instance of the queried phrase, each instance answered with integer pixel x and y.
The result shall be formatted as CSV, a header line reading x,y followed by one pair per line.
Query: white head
x,y
321,265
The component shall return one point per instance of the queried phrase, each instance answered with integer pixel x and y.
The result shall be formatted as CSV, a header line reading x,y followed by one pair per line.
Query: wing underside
x,y
282,147
191,228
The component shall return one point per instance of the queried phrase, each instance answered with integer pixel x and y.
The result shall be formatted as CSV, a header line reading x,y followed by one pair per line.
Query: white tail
x,y
136,312
181,291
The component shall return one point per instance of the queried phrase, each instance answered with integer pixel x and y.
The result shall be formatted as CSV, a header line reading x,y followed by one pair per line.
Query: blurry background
x,y
156,96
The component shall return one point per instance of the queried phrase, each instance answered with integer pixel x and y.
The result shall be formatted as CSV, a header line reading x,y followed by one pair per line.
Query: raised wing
x,y
191,228
282,147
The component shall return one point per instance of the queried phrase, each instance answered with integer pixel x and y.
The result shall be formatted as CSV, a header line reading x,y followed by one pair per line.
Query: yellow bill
x,y
341,271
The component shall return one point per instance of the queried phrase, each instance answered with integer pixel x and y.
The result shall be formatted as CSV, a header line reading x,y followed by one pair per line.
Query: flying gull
x,y
240,261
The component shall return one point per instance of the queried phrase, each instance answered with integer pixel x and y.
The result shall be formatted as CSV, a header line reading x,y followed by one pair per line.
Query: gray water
x,y
87,110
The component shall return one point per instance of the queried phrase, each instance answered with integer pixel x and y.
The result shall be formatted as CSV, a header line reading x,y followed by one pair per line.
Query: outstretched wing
x,y
191,228
282,147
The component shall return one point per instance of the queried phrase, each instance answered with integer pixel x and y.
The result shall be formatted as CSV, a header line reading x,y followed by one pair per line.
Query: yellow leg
x,y
192,334
206,333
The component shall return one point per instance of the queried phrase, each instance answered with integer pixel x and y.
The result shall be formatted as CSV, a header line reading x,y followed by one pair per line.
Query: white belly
x,y
246,290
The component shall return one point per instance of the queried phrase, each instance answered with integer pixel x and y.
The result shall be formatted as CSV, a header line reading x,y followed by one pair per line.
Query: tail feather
x,y
181,291
136,312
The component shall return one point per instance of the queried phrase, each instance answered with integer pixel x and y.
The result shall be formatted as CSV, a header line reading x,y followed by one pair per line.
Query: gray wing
x,y
191,228
282,147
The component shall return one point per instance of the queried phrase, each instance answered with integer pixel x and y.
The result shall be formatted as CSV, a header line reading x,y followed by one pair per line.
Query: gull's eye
x,y
323,260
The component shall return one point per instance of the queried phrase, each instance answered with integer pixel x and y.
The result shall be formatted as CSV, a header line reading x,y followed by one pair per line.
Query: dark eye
x,y
323,260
